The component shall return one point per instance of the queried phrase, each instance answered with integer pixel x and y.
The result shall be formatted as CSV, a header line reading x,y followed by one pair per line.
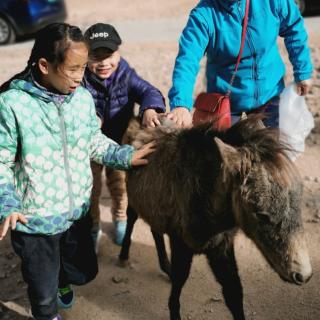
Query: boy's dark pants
x,y
55,260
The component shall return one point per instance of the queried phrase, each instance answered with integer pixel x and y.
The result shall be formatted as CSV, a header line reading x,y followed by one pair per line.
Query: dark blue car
x,y
23,17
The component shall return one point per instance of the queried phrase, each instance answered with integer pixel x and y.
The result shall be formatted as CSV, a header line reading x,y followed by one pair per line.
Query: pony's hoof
x,y
125,264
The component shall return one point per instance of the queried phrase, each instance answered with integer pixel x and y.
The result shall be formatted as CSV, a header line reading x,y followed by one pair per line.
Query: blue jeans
x,y
52,261
271,111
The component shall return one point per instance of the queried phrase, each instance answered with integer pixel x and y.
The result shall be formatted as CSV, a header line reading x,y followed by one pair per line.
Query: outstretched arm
x,y
192,46
147,96
105,151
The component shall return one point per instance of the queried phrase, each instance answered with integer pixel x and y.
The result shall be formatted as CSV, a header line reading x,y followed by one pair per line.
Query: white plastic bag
x,y
295,120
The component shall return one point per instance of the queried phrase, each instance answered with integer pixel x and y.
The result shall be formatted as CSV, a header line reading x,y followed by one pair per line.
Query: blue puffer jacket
x,y
115,98
214,27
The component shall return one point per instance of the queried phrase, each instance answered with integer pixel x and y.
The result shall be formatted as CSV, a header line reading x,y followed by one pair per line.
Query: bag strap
x,y
243,37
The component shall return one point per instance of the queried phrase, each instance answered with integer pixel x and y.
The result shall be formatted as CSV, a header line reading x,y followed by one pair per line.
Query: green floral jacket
x,y
45,153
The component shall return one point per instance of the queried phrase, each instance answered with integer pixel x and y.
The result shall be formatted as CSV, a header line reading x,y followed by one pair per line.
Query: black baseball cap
x,y
102,35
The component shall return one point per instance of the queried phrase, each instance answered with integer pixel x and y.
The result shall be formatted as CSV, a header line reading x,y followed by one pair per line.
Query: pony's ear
x,y
230,156
260,124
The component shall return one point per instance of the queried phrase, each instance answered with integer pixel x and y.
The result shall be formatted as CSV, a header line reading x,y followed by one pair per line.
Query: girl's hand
x,y
303,87
181,117
139,155
11,221
150,118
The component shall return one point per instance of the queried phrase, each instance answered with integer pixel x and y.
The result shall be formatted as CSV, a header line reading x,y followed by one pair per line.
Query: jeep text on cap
x,y
99,35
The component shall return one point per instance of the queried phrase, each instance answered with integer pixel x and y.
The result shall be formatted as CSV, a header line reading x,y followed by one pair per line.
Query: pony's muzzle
x,y
301,270
299,278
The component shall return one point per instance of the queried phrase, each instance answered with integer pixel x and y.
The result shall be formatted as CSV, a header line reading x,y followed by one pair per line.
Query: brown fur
x,y
201,185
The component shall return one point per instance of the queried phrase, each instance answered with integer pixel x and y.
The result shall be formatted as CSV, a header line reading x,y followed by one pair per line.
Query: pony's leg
x,y
124,253
181,259
162,253
222,261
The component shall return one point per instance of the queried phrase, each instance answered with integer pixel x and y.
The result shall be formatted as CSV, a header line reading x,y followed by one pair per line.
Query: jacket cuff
x,y
180,103
118,157
300,76
158,109
9,201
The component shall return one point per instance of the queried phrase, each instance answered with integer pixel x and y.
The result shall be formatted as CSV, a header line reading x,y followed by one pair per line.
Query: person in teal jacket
x,y
48,135
214,28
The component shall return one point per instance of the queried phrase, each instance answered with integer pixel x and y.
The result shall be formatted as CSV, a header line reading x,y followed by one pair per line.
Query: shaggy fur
x,y
201,185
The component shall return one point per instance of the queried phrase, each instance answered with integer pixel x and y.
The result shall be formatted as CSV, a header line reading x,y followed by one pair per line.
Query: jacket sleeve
x,y
145,94
296,39
192,46
104,150
9,200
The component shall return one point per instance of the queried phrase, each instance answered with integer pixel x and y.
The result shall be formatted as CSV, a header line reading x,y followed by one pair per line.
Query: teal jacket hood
x,y
28,85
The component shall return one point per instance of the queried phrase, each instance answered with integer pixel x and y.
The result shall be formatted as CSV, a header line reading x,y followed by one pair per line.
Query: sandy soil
x,y
141,292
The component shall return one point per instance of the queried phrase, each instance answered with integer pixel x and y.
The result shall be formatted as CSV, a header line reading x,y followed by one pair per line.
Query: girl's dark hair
x,y
51,43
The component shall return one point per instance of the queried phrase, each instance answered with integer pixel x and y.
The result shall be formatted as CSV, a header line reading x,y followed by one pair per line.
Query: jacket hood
x,y
29,86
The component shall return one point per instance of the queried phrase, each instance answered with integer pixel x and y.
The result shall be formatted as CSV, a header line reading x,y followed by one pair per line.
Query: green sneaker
x,y
65,297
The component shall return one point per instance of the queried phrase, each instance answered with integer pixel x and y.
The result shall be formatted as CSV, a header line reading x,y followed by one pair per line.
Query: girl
x,y
48,135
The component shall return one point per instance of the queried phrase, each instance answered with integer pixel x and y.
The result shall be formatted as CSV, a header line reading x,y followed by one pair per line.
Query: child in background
x,y
115,88
48,135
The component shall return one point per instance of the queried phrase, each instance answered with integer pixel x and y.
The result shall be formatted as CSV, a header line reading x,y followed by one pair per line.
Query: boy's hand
x,y
150,118
138,155
181,117
11,221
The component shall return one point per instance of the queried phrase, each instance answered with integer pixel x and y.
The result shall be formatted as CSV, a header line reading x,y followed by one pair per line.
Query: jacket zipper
x,y
66,159
254,55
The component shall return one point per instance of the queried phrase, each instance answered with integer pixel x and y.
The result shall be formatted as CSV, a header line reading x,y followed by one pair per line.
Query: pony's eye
x,y
264,216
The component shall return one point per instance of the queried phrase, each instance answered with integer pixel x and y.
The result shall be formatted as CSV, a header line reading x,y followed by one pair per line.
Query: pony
x,y
200,186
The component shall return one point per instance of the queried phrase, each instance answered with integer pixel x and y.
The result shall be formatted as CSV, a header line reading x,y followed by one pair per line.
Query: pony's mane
x,y
255,142
262,144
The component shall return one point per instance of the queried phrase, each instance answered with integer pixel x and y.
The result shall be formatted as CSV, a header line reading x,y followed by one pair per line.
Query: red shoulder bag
x,y
216,106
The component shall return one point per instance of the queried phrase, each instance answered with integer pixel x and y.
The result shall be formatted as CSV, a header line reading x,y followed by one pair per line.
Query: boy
x,y
115,88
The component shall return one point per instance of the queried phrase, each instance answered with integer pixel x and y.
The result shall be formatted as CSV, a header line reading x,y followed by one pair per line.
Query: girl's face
x,y
103,63
68,75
